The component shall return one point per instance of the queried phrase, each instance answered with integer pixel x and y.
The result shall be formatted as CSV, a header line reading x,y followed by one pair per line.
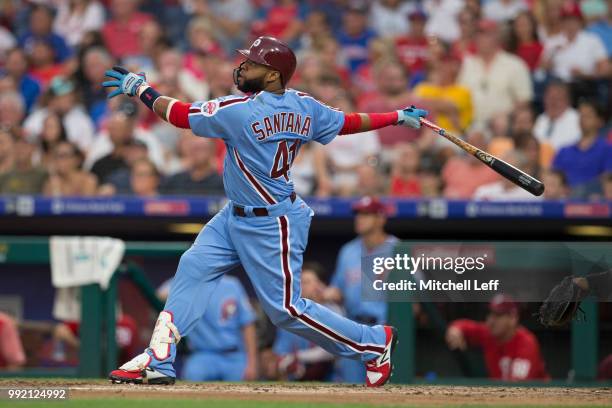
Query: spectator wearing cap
x,y
121,32
412,47
203,50
511,352
65,175
63,100
451,102
580,54
503,10
601,22
354,35
584,162
40,31
345,284
389,18
497,80
558,126
16,70
201,177
77,17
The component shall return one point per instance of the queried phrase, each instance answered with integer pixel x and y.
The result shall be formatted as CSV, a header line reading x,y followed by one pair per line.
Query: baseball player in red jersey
x,y
511,352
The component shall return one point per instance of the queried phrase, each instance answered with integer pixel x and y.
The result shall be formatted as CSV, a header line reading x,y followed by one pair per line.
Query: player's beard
x,y
251,85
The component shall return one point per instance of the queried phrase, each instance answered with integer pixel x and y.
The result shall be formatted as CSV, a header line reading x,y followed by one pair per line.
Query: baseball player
x,y
265,225
345,285
511,352
223,343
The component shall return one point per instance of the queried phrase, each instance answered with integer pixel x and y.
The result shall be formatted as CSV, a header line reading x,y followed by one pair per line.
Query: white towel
x,y
77,261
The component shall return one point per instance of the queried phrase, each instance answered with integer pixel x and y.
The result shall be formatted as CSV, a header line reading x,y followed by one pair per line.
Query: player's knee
x,y
188,263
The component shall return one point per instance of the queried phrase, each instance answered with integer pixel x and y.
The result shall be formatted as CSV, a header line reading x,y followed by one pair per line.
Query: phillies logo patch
x,y
210,108
228,309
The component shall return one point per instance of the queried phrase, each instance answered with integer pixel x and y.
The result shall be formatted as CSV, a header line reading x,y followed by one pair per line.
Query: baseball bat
x,y
518,177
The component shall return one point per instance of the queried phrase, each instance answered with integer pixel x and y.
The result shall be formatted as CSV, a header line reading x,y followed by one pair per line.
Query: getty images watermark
x,y
411,264
476,271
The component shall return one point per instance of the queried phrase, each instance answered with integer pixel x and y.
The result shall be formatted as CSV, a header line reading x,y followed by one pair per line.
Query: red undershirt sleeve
x,y
352,122
179,115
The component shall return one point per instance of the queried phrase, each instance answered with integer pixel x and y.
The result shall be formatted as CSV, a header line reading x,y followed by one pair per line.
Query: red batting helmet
x,y
272,53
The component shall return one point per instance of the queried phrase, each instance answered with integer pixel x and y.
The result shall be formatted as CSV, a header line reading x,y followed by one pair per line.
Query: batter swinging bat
x,y
510,172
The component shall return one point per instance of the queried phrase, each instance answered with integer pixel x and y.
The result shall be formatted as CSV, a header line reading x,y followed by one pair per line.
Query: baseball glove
x,y
562,304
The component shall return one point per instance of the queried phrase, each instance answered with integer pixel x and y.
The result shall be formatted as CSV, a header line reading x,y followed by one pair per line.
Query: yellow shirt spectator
x,y
443,98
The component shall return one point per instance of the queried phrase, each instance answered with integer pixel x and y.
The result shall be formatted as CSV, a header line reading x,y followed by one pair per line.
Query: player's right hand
x,y
411,117
125,81
455,339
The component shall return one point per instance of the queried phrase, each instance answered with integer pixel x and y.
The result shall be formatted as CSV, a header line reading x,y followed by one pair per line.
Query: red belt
x,y
258,211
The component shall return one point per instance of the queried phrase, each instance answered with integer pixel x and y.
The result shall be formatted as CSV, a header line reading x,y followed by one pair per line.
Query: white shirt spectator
x,y
503,10
442,22
499,191
79,127
498,87
565,131
347,153
73,26
7,41
388,22
583,53
104,146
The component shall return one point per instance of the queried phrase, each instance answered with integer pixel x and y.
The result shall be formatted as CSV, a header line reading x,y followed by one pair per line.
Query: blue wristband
x,y
149,96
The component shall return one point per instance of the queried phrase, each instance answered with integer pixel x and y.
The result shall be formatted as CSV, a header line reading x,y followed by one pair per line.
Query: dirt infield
x,y
422,395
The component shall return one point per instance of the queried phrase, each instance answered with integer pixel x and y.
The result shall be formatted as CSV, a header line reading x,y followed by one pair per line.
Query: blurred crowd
x,y
527,80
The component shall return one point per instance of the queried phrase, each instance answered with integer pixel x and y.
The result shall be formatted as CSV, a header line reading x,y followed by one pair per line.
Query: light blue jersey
x,y
228,312
347,278
263,134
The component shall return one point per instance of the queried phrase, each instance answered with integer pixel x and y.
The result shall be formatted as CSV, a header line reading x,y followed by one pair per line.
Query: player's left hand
x,y
126,82
411,117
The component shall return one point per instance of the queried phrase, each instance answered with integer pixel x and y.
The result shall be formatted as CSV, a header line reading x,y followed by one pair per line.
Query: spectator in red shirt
x,y
466,43
405,180
511,352
283,21
122,30
524,39
11,350
392,90
413,48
